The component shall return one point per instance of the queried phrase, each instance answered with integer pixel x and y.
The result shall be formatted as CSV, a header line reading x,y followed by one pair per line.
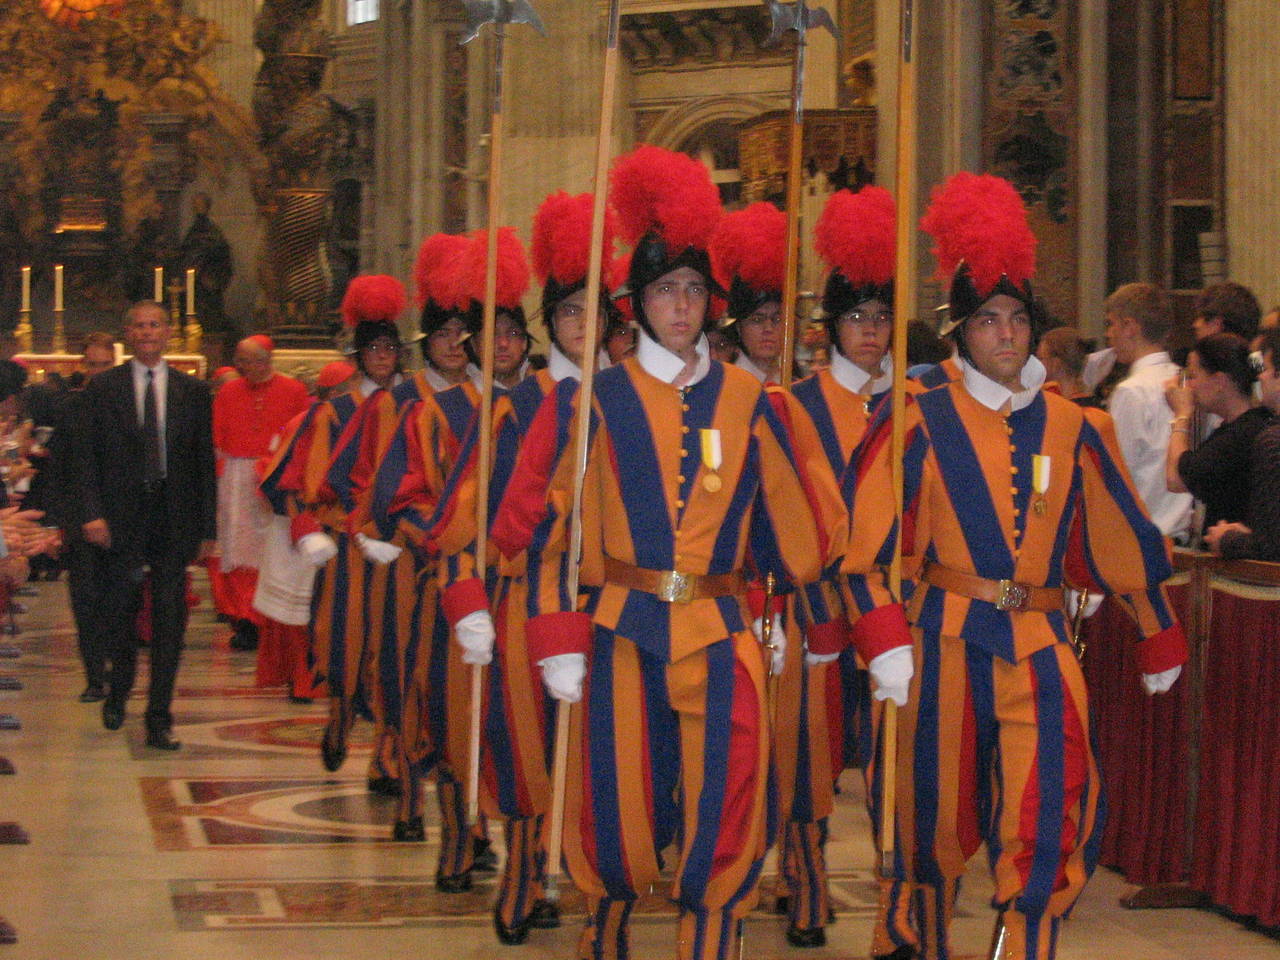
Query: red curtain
x,y
1141,746
1237,853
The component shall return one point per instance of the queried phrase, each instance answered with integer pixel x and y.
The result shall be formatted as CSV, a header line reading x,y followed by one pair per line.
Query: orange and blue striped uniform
x,y
518,713
670,743
424,680
337,601
389,589
995,742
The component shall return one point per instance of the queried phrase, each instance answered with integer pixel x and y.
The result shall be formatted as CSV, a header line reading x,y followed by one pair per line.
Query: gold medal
x,y
1039,506
711,483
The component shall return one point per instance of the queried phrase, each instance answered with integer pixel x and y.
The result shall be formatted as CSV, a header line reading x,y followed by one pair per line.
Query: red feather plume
x,y
981,220
376,298
857,234
668,193
561,248
751,244
435,270
513,268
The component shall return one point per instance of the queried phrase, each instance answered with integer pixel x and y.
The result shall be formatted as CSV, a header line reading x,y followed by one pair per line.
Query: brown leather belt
x,y
1005,594
672,585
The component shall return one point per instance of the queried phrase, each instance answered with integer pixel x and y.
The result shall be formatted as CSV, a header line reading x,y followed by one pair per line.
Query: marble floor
x,y
240,845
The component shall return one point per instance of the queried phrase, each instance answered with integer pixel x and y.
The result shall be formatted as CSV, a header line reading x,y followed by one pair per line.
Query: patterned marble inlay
x,y
414,901
203,812
296,735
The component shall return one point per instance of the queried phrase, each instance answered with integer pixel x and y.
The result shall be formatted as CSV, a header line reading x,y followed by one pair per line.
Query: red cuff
x,y
462,598
830,637
755,601
303,524
550,634
881,630
1163,651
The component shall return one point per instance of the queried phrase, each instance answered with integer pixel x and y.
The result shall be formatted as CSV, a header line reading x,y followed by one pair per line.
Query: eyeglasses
x,y
764,319
382,349
860,318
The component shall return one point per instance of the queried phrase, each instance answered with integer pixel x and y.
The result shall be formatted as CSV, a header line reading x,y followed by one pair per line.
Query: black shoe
x,y
817,937
409,831
483,858
294,698
545,915
93,693
332,754
458,883
112,716
245,636
159,738
384,786
904,952
511,936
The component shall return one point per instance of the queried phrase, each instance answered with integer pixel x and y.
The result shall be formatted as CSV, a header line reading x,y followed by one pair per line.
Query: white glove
x,y
377,551
317,548
1090,607
778,638
1160,682
813,659
475,635
563,675
892,672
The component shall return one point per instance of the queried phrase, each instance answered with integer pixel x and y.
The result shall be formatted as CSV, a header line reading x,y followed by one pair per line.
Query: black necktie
x,y
153,470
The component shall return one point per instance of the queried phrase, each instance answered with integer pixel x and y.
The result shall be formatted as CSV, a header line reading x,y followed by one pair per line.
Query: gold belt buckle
x,y
676,587
1013,596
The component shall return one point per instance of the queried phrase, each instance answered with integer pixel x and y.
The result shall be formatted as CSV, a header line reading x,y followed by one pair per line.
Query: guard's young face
x,y
380,359
998,336
444,347
864,334
510,343
762,333
676,307
569,323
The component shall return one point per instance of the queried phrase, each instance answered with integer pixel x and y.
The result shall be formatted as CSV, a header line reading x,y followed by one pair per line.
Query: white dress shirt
x,y
749,365
1141,415
658,361
161,381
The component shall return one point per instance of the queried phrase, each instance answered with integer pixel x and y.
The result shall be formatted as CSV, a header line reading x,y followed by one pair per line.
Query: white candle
x,y
57,286
26,288
159,294
191,291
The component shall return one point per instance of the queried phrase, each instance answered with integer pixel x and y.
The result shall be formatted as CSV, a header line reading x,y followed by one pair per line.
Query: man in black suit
x,y
149,503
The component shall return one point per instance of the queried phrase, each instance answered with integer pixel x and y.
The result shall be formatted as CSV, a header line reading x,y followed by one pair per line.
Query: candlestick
x,y
26,288
57,286
191,291
159,286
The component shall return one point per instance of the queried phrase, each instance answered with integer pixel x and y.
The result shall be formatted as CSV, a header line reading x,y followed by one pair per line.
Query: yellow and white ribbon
x,y
712,457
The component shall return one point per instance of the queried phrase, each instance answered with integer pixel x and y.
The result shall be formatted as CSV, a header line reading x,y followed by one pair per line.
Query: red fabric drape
x,y
1141,747
1237,854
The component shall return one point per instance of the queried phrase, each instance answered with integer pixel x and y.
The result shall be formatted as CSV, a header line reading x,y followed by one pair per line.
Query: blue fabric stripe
x,y
652,536
389,647
718,728
386,483
962,473
338,476
1148,535
646,621
496,728
458,409
928,788
1050,770
979,664
809,393
605,812
663,730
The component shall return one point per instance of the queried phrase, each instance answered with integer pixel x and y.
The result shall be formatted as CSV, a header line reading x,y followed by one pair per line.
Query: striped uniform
x,y
518,713
423,681
670,743
994,739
